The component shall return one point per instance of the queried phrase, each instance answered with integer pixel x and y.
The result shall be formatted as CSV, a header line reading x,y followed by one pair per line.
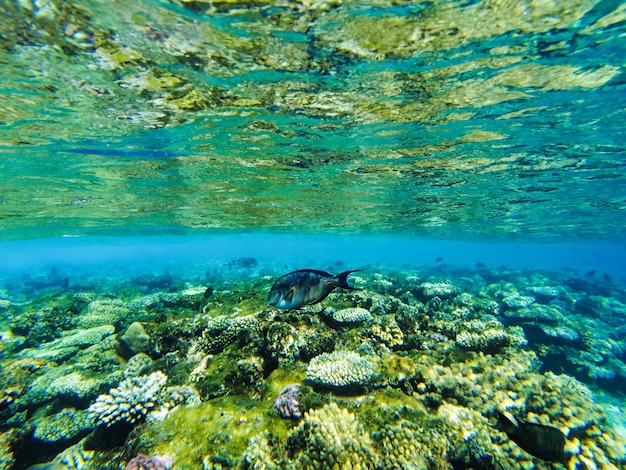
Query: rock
x,y
81,338
544,294
560,332
134,341
516,301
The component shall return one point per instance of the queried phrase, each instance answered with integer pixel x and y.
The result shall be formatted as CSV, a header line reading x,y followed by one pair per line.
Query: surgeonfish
x,y
539,440
306,287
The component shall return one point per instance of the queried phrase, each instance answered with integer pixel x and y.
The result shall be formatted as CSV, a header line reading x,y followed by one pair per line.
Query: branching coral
x,y
130,401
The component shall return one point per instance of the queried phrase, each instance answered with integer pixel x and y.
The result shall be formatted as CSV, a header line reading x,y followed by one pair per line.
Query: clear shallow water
x,y
158,254
146,146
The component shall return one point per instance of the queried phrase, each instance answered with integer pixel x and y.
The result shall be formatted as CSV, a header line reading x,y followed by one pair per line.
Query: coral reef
x,y
66,425
489,336
223,330
516,301
410,374
349,316
81,338
156,462
341,370
131,401
286,403
137,365
62,382
103,312
387,332
331,437
400,446
287,343
442,290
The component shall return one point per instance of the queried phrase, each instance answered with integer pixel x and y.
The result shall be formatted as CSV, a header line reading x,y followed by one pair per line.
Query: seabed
x,y
173,370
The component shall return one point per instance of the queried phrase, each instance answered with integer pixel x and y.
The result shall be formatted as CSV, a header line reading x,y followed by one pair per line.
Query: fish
x,y
246,262
306,287
539,440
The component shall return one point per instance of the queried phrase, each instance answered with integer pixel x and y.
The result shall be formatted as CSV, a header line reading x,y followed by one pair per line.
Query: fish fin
x,y
506,422
342,280
289,295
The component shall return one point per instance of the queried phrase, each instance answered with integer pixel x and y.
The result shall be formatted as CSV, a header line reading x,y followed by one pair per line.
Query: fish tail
x,y
342,280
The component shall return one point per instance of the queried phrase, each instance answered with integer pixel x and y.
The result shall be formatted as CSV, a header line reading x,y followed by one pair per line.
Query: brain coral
x,y
130,401
340,369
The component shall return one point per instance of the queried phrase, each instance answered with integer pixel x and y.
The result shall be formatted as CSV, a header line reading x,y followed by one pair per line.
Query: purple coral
x,y
286,403
156,462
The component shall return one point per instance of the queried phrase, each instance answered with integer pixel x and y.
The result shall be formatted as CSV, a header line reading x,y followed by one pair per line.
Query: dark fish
x,y
607,278
590,273
245,262
541,441
439,259
306,287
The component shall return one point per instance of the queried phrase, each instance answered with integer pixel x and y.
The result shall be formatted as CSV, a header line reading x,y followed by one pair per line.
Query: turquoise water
x,y
162,163
428,119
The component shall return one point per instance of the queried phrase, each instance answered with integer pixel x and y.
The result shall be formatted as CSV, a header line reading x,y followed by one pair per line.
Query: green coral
x,y
223,330
400,446
328,437
65,425
81,338
103,312
489,336
186,435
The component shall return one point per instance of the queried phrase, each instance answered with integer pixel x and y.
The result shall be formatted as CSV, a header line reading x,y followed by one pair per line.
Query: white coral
x,y
340,369
130,401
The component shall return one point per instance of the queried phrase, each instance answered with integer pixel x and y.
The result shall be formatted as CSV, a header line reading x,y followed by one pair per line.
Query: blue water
x,y
156,254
